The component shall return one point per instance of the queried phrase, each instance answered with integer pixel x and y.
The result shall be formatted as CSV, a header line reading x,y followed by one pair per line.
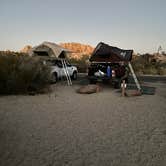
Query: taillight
x,y
113,73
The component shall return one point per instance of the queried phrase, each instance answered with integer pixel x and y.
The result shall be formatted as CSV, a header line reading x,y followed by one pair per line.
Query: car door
x,y
69,68
59,65
62,70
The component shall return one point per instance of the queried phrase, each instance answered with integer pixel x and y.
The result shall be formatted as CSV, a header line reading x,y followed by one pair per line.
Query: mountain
x,y
78,49
26,49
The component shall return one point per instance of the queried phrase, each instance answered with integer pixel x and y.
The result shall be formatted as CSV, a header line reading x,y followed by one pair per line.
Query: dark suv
x,y
109,64
108,72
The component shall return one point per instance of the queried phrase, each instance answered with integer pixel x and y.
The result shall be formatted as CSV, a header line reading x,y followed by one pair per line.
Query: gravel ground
x,y
70,129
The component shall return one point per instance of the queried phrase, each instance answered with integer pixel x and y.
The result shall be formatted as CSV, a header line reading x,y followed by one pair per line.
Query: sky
x,y
129,24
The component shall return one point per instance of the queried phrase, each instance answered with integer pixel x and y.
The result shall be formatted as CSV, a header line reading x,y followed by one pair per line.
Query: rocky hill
x,y
26,49
78,49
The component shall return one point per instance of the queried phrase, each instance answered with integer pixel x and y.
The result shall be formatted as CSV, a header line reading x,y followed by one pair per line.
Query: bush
x,y
150,70
144,65
22,74
162,71
80,63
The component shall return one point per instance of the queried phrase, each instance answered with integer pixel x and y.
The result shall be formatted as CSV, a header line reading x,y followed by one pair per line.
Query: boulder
x,y
89,89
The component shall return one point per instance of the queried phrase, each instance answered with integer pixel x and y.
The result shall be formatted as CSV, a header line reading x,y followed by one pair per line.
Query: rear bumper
x,y
105,78
99,78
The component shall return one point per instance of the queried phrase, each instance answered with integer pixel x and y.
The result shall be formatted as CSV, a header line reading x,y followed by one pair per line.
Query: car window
x,y
68,64
59,63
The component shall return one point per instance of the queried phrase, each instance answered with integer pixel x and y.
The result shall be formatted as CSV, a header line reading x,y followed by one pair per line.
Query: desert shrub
x,y
162,71
80,63
138,67
146,64
150,70
21,74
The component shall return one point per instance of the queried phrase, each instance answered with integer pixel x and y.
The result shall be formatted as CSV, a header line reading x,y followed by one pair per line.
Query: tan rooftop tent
x,y
49,50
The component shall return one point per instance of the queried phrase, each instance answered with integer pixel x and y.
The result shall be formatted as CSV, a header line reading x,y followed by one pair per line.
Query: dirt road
x,y
70,129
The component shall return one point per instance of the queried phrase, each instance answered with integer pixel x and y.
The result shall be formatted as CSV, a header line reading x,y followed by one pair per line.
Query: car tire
x,y
92,81
74,75
117,84
54,78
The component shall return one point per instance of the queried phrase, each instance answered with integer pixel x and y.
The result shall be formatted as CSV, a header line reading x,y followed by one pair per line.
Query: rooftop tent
x,y
50,50
105,53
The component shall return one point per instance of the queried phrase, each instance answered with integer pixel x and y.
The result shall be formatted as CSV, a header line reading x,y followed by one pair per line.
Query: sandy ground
x,y
70,129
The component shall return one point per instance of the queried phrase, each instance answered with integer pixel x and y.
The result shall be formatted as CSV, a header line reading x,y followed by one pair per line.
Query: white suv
x,y
58,72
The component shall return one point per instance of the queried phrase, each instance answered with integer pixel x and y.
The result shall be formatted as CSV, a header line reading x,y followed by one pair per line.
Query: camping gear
x,y
147,90
66,72
132,92
48,50
89,89
99,73
134,76
109,71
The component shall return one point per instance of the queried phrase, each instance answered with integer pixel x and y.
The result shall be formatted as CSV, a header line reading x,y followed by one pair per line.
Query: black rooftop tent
x,y
105,53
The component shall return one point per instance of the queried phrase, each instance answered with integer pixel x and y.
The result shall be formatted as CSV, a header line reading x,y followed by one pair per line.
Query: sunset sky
x,y
128,24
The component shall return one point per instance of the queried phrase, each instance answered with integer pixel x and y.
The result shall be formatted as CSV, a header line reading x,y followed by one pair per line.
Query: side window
x,y
68,64
59,64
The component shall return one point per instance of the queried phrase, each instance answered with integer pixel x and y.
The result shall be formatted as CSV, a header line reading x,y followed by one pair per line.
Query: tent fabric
x,y
52,49
104,52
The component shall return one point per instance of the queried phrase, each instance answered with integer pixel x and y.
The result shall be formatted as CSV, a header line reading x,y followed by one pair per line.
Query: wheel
x,y
92,81
74,76
117,84
54,78
106,81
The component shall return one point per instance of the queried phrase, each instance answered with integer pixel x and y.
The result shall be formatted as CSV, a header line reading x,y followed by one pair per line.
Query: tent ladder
x,y
67,73
134,76
69,82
